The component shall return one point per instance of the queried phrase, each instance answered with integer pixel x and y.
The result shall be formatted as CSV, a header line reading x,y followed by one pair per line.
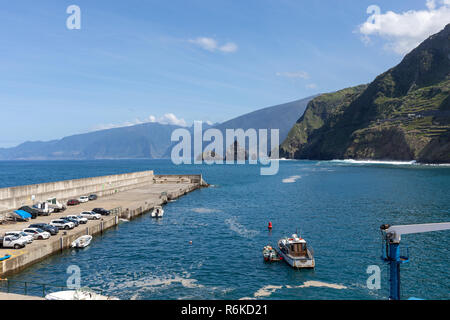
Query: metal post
x,y
394,262
25,289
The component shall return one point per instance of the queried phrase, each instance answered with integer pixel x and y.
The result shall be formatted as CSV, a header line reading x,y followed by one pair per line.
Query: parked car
x,y
28,237
93,197
83,199
73,202
102,211
90,215
80,219
37,233
62,224
15,242
46,227
34,212
74,221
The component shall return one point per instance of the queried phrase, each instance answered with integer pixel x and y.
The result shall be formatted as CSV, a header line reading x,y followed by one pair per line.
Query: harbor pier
x,y
127,196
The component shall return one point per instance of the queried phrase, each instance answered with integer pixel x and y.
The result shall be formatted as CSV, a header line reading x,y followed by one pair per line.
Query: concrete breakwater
x,y
129,201
14,197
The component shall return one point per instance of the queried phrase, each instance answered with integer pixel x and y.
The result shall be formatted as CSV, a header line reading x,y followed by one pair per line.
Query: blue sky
x,y
179,61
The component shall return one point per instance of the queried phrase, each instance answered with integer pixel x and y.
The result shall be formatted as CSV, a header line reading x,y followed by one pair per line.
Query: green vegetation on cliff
x,y
404,114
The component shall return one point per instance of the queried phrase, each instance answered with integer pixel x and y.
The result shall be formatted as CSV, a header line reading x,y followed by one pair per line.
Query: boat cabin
x,y
295,246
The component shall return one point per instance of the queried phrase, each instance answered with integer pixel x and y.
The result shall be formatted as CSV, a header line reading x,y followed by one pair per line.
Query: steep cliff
x,y
404,114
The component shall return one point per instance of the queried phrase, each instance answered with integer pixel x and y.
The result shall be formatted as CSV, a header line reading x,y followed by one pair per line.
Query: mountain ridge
x,y
401,115
147,140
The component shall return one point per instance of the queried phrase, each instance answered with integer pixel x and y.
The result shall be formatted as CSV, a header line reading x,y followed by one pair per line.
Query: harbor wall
x,y
54,245
15,197
148,191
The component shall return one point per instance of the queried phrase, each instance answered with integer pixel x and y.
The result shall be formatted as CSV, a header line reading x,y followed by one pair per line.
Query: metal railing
x,y
32,288
28,288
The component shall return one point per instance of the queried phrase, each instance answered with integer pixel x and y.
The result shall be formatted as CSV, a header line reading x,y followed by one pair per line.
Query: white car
x,y
15,242
37,233
83,199
62,224
80,219
91,215
27,237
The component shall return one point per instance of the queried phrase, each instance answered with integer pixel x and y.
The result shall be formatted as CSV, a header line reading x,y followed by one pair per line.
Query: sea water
x,y
337,206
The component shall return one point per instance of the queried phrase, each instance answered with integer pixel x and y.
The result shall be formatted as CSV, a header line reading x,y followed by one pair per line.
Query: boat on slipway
x,y
5,257
296,253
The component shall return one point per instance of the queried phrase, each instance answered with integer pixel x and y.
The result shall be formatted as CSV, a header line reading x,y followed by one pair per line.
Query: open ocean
x,y
338,206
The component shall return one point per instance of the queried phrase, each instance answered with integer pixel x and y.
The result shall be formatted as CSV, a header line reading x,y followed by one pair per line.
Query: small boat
x,y
82,242
270,255
5,257
296,253
157,212
79,294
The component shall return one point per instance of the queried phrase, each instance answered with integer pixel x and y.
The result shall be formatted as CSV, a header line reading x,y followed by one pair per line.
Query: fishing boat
x,y
270,254
157,212
82,242
5,257
79,294
296,253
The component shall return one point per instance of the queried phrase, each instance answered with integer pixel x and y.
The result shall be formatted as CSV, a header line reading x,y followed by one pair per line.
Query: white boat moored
x,y
157,212
82,242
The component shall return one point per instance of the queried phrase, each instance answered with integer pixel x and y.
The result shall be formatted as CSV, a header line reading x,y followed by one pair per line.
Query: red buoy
x,y
270,225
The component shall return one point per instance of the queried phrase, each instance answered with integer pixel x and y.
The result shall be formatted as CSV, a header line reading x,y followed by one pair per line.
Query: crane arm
x,y
394,233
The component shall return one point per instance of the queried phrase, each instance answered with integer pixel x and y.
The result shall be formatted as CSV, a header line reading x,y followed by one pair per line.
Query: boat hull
x,y
298,262
82,242
76,295
157,215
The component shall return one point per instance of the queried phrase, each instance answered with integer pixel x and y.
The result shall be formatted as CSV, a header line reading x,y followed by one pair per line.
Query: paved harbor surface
x,y
12,296
128,203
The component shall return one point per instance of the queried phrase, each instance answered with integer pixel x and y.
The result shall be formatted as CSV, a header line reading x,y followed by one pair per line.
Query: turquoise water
x,y
337,206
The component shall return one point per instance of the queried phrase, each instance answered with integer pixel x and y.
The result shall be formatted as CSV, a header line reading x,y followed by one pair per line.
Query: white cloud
x,y
297,74
212,45
406,30
168,118
311,86
229,47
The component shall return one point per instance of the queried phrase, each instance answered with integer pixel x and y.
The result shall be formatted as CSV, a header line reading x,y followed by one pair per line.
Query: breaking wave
x,y
362,162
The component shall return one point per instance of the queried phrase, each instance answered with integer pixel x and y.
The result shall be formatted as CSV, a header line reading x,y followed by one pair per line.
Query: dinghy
x,y
270,255
157,212
82,242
